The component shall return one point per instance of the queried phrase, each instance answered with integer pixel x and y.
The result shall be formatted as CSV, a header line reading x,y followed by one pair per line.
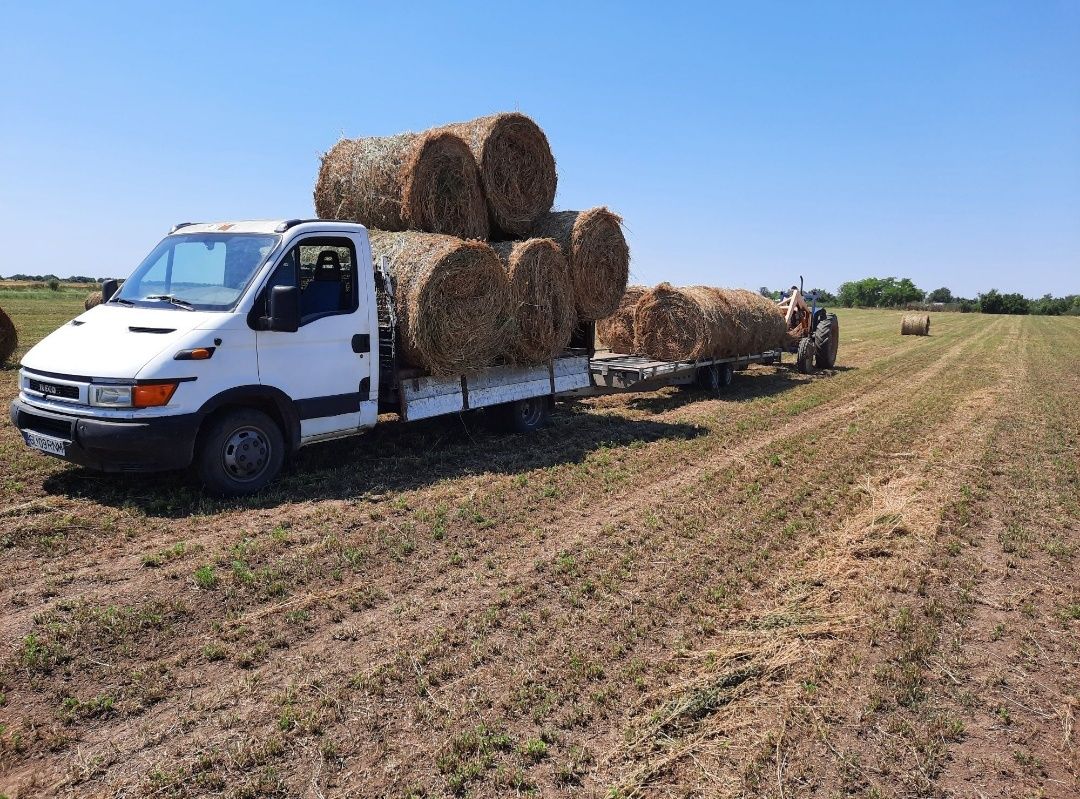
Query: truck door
x,y
325,367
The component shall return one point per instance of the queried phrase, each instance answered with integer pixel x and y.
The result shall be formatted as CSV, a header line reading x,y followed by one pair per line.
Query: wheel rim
x,y
246,454
529,411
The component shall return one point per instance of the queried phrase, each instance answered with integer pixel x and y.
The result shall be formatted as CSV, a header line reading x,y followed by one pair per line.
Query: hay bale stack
x,y
412,181
915,324
542,316
9,337
451,296
680,324
92,300
517,170
616,332
599,259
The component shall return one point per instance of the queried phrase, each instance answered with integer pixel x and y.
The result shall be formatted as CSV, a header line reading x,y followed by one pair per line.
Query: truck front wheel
x,y
240,452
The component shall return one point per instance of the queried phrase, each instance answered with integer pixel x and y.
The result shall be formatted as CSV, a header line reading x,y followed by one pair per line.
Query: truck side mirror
x,y
108,289
284,309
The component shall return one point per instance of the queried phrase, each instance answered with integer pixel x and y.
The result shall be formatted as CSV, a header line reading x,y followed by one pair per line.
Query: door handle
x,y
361,343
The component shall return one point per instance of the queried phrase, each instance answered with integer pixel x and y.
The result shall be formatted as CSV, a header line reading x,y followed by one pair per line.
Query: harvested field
x,y
693,322
542,317
840,585
517,170
594,244
412,181
616,332
452,299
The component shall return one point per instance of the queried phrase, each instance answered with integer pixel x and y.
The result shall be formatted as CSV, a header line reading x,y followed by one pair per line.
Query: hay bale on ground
x,y
599,259
92,299
617,331
517,170
412,181
542,316
9,337
915,324
680,324
451,298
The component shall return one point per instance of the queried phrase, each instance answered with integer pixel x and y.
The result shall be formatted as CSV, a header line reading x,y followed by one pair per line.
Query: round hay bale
x,y
412,181
517,170
915,324
542,316
9,337
683,324
451,298
92,299
616,332
595,247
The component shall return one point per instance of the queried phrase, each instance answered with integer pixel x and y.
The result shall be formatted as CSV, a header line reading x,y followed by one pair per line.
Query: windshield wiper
x,y
172,298
122,301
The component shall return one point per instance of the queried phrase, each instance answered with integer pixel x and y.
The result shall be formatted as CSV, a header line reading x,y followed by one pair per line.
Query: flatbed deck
x,y
612,371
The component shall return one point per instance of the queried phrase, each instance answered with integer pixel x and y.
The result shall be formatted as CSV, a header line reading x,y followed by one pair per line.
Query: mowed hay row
x,y
452,299
412,181
599,258
92,300
676,324
616,332
915,324
517,170
542,316
9,337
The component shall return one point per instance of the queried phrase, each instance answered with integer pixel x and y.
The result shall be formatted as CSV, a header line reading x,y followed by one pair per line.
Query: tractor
x,y
814,332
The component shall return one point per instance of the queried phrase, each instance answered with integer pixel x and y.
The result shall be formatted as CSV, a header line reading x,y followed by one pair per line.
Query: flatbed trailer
x,y
613,372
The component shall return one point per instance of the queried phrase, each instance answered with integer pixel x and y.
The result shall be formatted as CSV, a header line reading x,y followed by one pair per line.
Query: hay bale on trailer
x,y
412,181
451,298
9,337
599,259
517,170
681,324
616,332
915,324
93,299
542,316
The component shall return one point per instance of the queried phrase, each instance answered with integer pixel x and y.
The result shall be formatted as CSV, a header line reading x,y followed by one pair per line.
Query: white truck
x,y
233,344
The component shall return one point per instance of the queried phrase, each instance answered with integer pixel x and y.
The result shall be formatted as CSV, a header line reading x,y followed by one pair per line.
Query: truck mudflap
x,y
425,397
145,445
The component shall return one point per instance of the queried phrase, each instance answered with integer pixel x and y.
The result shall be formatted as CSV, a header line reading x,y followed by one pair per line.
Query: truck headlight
x,y
111,396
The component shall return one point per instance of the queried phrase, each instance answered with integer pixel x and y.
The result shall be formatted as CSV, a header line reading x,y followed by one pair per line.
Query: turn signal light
x,y
197,354
153,395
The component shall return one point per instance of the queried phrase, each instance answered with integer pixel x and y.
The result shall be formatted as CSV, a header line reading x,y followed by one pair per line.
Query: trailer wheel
x,y
239,453
827,341
524,416
715,378
805,358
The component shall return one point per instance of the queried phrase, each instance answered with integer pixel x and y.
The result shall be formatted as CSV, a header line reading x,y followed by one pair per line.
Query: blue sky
x,y
744,143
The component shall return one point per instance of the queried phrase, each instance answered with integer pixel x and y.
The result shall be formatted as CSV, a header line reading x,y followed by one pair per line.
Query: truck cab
x,y
231,345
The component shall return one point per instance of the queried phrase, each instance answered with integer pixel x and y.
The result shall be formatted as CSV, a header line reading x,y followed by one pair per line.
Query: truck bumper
x,y
147,445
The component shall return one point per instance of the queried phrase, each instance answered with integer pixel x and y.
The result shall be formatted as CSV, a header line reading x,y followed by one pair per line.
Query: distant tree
x,y
940,295
53,284
995,302
876,292
825,297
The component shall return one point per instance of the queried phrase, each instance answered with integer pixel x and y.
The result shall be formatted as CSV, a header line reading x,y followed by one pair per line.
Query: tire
x,y
240,452
805,358
525,416
827,341
714,378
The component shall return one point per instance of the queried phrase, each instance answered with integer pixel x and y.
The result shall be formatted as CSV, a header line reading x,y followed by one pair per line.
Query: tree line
x,y
890,292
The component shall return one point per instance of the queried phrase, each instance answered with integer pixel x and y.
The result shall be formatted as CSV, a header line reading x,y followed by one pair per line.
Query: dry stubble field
x,y
862,584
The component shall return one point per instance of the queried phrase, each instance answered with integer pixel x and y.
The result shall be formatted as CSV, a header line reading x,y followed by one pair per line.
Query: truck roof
x,y
261,226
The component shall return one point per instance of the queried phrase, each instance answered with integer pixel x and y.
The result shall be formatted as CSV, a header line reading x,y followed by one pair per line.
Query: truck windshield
x,y
200,271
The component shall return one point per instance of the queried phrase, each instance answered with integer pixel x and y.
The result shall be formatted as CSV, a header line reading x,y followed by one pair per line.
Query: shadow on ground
x,y
392,457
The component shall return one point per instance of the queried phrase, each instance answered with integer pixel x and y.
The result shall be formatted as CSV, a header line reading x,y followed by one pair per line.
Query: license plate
x,y
53,446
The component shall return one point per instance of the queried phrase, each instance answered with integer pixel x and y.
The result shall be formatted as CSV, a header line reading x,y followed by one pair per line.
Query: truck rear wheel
x,y
239,453
524,416
715,378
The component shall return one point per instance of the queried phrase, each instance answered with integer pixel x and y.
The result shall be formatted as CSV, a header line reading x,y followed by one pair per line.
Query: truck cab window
x,y
324,268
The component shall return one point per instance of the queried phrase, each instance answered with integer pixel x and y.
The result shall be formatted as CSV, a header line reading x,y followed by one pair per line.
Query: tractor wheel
x,y
805,359
827,341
